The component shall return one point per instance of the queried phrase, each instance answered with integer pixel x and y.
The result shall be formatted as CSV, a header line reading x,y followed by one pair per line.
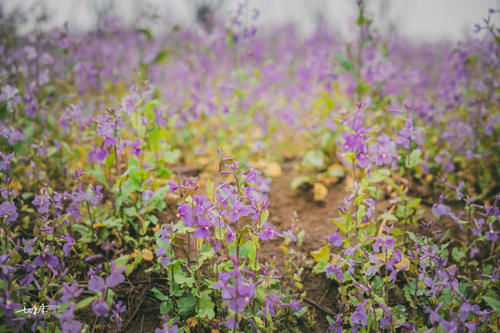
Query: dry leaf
x,y
135,253
147,254
273,170
320,192
172,196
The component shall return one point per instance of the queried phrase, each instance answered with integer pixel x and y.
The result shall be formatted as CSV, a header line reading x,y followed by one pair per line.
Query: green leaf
x,y
387,216
186,304
361,213
401,211
83,230
252,251
414,203
154,139
264,216
298,181
206,308
163,308
339,225
99,175
110,296
181,278
494,303
131,267
85,302
457,254
122,261
171,156
414,238
345,63
379,175
161,57
414,158
314,159
158,294
146,33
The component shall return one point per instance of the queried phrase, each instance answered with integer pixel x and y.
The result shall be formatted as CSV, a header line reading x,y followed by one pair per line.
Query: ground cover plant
x,y
225,179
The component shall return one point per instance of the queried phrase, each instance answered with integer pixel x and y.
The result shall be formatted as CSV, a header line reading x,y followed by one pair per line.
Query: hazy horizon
x,y
423,19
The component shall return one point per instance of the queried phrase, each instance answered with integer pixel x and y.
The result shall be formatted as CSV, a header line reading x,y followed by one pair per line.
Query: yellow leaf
x,y
192,322
147,254
321,255
135,254
404,261
273,170
320,192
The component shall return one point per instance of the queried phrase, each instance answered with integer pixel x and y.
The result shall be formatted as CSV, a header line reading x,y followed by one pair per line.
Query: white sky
x,y
418,19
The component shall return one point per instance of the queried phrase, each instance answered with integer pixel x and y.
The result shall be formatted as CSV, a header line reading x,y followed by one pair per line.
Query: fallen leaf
x,y
172,197
273,170
147,254
320,192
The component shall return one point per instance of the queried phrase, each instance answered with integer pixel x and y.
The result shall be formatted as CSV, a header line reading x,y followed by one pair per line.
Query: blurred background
x,y
429,20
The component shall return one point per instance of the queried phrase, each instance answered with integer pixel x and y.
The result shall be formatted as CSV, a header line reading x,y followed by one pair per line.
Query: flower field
x,y
223,178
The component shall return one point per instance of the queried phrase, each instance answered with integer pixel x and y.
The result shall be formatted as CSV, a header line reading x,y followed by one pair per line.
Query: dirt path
x,y
314,218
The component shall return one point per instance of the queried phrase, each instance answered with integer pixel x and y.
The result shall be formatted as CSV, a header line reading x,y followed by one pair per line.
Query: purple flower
x,y
96,283
67,322
46,258
136,148
186,214
359,316
336,239
30,277
5,269
457,190
70,292
146,195
28,245
8,212
6,160
241,295
173,186
386,321
116,310
167,329
231,323
202,232
230,236
128,103
335,269
336,326
451,325
407,133
434,316
69,243
116,277
239,209
71,326
295,304
97,195
100,308
42,202
269,304
440,209
465,308
268,232
491,234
